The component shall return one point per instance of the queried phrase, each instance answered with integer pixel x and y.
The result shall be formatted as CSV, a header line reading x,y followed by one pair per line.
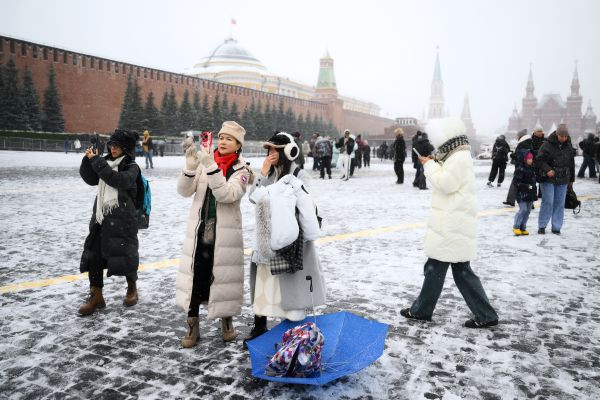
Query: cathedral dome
x,y
229,56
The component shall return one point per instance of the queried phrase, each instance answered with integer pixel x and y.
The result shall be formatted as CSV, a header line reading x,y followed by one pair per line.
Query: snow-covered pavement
x,y
545,289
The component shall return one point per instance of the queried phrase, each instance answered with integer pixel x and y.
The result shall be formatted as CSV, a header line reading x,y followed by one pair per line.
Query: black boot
x,y
260,327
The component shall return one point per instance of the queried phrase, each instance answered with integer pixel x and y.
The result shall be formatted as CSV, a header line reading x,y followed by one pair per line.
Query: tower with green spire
x,y
436,100
326,86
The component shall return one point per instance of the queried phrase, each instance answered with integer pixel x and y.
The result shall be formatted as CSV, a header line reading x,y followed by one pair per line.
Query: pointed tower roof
x,y
466,112
326,75
575,82
515,112
437,72
589,113
530,87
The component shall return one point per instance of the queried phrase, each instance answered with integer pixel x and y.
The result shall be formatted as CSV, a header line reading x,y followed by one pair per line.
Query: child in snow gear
x,y
211,270
525,182
112,243
274,294
453,205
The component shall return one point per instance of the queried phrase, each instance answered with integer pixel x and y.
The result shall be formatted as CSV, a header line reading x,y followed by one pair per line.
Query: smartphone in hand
x,y
206,140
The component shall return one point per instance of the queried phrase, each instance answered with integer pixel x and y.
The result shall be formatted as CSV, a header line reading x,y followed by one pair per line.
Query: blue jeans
x,y
522,215
148,156
553,205
467,283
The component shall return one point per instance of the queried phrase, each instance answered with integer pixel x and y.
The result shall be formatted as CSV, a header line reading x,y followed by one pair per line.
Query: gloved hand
x,y
205,157
191,159
189,141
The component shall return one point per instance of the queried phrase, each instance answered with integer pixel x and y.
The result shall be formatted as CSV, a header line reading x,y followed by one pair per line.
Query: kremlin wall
x,y
92,89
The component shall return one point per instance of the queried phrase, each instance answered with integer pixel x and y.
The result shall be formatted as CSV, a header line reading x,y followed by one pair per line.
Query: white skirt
x,y
267,296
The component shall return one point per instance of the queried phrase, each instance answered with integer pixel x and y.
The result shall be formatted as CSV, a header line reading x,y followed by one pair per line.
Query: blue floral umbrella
x,y
351,344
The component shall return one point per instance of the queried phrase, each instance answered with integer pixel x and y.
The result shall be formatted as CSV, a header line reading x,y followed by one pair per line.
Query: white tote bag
x,y
282,202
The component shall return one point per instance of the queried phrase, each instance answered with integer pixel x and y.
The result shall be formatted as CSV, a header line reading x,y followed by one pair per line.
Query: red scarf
x,y
224,162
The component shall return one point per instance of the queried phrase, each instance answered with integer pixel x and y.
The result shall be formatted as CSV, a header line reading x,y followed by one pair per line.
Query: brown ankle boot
x,y
94,301
191,338
131,297
228,330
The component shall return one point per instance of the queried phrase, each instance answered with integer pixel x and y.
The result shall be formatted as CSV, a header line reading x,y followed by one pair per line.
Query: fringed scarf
x,y
225,162
108,196
451,146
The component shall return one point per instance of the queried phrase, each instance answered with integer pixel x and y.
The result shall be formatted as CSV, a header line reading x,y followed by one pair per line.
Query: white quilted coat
x,y
452,226
226,291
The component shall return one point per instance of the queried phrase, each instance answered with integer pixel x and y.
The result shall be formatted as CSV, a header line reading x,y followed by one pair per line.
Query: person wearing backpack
x,y
499,159
324,149
211,269
112,242
278,288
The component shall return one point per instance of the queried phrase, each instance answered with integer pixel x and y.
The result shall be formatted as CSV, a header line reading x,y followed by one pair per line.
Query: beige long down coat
x,y
226,291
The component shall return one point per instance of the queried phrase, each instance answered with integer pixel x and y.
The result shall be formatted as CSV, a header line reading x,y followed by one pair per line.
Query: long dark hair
x,y
284,165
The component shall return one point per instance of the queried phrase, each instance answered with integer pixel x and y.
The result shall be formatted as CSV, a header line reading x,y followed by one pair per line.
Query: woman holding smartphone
x,y
211,269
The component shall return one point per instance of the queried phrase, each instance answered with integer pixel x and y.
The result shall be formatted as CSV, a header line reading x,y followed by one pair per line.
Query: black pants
x,y
420,180
467,283
325,166
96,271
498,167
367,160
203,276
588,163
316,161
399,170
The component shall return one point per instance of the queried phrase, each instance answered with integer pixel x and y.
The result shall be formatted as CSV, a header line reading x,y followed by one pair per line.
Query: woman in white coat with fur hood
x,y
452,227
211,269
283,258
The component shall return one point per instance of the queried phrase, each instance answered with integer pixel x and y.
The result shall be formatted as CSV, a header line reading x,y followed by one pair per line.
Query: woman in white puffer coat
x,y
278,289
452,227
211,269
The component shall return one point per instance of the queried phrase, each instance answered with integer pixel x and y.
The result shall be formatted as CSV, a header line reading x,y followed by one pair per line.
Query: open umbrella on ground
x,y
351,344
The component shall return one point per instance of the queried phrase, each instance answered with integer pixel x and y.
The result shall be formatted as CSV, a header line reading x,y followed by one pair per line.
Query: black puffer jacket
x,y
349,145
423,146
399,149
558,157
114,244
500,150
525,181
588,146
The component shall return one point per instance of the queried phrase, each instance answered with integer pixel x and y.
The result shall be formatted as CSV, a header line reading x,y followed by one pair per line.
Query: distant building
x,y
552,110
232,64
436,99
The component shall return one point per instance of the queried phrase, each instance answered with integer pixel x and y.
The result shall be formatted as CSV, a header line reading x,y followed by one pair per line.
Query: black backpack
x,y
571,201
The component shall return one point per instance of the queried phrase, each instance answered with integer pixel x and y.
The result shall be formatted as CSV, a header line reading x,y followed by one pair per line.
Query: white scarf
x,y
108,196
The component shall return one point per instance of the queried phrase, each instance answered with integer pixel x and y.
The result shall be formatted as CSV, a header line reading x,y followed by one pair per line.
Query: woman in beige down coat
x,y
211,269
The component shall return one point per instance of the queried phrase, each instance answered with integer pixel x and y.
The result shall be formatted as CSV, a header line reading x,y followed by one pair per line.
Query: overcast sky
x,y
384,51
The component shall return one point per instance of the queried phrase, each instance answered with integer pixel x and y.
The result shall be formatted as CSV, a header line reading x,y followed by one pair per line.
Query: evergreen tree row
x,y
200,115
19,105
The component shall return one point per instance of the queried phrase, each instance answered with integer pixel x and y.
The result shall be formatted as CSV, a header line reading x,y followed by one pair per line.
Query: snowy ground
x,y
545,289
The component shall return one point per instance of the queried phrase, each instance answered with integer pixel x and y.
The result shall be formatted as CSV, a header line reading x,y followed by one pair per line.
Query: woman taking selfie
x,y
211,269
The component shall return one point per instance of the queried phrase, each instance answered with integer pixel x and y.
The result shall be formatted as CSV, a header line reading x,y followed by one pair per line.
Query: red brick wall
x,y
92,97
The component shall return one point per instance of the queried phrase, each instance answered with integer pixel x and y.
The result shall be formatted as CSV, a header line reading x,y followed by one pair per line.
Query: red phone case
x,y
206,140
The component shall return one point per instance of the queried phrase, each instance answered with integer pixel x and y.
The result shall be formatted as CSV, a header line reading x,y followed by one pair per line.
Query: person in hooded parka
x,y
452,226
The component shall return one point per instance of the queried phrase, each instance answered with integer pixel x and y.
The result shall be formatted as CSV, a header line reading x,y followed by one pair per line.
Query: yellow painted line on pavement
x,y
19,286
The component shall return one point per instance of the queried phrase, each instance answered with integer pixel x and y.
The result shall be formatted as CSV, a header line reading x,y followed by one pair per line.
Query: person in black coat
x,y
499,159
366,154
588,146
112,241
399,147
597,152
425,148
556,161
